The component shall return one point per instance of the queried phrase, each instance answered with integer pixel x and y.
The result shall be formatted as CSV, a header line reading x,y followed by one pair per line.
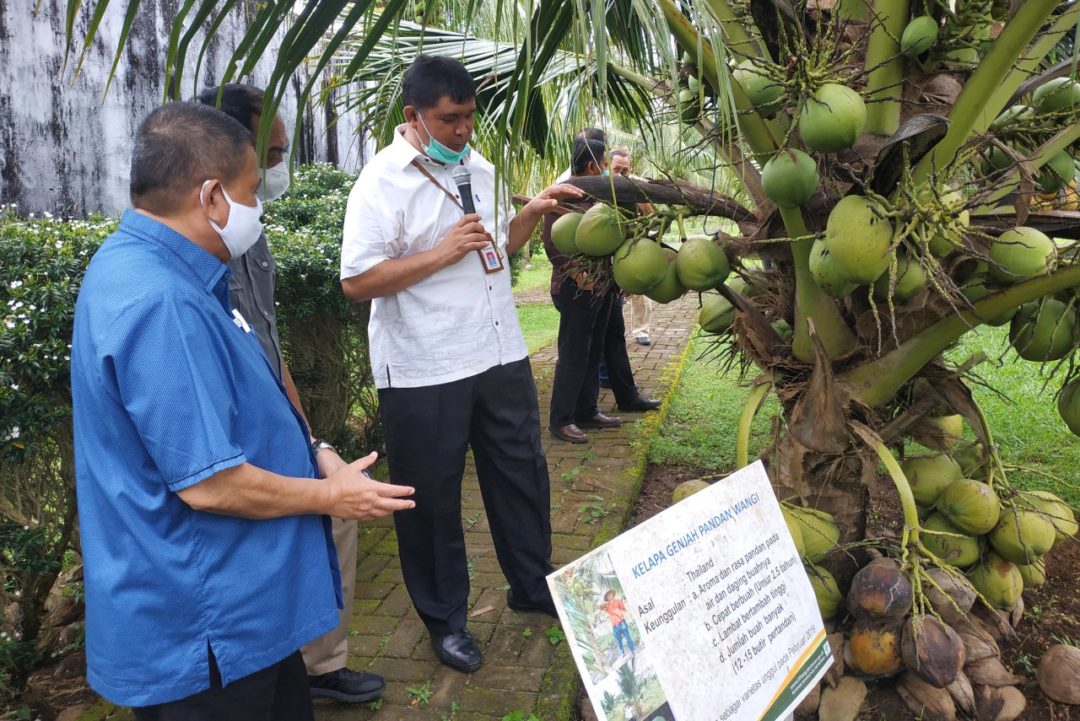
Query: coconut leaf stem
x,y
885,65
1040,157
746,419
735,35
1031,61
758,134
811,302
994,74
876,382
903,486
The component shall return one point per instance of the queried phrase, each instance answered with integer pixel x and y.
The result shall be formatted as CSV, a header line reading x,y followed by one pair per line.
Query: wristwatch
x,y
320,445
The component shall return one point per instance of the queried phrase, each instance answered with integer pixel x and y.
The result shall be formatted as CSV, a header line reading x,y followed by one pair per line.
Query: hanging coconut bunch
x,y
879,236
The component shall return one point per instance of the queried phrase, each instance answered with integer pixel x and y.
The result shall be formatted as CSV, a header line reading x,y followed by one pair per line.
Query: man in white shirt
x,y
449,359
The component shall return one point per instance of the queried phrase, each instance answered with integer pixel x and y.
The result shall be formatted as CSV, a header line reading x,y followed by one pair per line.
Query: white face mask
x,y
244,226
275,181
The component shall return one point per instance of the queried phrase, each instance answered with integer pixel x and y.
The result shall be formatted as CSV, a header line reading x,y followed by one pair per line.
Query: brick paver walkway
x,y
593,487
527,666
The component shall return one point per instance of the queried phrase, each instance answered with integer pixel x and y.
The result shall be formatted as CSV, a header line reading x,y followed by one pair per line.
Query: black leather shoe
x,y
600,421
347,686
458,651
640,403
569,433
526,606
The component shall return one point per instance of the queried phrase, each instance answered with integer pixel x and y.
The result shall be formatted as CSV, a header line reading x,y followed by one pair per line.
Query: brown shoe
x,y
601,421
569,433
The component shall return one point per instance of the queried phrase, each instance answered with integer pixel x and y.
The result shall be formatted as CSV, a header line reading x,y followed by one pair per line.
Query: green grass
x,y
539,323
538,275
700,427
700,430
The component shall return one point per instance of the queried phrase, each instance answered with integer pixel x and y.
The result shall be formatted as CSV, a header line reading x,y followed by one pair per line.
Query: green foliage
x,y
519,715
555,635
420,695
324,335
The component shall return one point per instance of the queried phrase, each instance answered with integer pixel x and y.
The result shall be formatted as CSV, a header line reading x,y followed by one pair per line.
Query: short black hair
x,y
240,102
430,77
585,152
591,134
180,145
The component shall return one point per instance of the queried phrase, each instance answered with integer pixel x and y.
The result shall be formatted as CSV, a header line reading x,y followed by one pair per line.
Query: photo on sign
x,y
604,630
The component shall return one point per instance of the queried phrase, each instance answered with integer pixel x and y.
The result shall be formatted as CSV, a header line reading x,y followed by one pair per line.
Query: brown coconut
x,y
1004,703
963,694
990,672
927,702
879,590
951,597
932,650
1059,674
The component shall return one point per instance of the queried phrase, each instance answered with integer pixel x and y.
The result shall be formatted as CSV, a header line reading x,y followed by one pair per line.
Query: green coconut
x,y
859,239
701,264
563,232
971,456
1012,114
639,265
945,431
998,581
716,314
959,549
669,288
687,488
941,244
910,279
977,289
1020,253
831,280
832,118
1056,173
1055,510
819,531
689,108
795,531
1022,535
969,505
1056,96
826,591
765,94
919,36
1069,406
929,475
790,178
1034,574
1043,331
600,231
693,84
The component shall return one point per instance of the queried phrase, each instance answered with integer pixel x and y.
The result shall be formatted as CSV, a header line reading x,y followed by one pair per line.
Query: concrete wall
x,y
65,145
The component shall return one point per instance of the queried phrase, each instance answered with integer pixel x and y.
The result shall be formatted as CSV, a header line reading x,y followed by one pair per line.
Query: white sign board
x,y
701,613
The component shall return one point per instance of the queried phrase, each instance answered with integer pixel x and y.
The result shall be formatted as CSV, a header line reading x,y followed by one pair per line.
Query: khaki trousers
x,y
329,653
640,315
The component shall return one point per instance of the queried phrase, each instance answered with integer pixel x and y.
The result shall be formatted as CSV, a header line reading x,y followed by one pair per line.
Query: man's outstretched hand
x,y
353,494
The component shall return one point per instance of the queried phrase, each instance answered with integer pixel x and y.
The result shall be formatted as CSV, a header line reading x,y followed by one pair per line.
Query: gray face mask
x,y
244,226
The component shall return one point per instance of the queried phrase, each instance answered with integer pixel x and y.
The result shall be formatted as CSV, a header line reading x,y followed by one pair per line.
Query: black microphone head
x,y
461,176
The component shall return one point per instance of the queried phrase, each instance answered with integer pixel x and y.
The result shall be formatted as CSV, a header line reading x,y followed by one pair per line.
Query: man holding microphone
x,y
447,352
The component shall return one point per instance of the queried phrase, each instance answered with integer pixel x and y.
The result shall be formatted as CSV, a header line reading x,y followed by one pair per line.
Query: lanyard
x,y
490,258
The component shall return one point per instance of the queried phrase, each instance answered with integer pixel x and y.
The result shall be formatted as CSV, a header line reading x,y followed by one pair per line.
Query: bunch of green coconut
x,y
639,264
935,622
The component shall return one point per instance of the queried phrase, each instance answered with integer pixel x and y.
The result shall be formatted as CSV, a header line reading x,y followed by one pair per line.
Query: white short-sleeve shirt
x,y
457,322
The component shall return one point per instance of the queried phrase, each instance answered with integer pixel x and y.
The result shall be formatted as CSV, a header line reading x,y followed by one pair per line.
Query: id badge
x,y
490,258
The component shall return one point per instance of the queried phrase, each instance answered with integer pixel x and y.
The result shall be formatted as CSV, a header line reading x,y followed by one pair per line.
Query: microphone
x,y
463,180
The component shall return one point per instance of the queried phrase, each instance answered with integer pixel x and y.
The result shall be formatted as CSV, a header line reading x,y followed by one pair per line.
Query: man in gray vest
x,y
251,287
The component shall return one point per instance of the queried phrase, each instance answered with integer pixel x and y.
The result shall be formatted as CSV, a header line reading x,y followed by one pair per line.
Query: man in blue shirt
x,y
199,492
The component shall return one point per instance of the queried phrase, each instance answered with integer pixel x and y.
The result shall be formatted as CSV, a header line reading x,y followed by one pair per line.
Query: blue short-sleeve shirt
x,y
168,389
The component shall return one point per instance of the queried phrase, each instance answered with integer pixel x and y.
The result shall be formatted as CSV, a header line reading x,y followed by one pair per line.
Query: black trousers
x,y
428,431
277,693
616,359
587,331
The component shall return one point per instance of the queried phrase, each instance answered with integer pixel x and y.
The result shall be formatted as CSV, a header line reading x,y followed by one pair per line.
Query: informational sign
x,y
701,613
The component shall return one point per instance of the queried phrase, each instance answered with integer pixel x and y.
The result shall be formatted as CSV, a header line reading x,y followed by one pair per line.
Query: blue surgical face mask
x,y
437,151
605,173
